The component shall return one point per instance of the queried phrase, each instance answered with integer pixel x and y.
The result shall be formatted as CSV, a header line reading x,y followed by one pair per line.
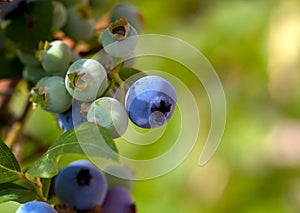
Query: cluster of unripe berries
x,y
88,85
149,101
82,187
90,88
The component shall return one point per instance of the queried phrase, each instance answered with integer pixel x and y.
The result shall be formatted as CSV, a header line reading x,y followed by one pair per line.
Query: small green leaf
x,y
15,192
9,166
130,75
86,138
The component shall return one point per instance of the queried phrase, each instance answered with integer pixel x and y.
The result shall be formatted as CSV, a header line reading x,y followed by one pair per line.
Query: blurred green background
x,y
254,47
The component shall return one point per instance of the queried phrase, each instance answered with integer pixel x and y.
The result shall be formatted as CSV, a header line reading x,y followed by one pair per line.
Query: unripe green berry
x,y
119,39
110,114
59,17
56,57
80,24
50,93
86,80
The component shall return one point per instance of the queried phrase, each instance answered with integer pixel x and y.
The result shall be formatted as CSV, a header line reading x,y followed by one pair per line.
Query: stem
x,y
20,174
17,127
7,89
39,190
114,74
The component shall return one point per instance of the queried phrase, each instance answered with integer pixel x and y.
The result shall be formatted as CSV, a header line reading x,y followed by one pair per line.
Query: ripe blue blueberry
x,y
80,185
110,114
36,207
86,80
73,116
119,39
150,101
50,93
118,200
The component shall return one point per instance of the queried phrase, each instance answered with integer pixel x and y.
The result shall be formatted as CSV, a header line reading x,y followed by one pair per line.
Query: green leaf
x,y
15,192
130,75
86,138
9,166
28,22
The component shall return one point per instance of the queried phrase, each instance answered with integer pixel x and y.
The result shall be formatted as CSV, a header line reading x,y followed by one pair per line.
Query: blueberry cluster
x,y
80,89
81,74
82,187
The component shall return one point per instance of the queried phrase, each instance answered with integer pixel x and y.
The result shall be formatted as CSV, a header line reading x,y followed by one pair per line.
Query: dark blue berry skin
x,y
71,117
118,200
150,101
36,207
81,186
65,120
51,191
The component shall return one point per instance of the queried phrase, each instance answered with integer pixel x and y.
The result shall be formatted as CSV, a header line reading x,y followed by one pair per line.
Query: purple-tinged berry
x,y
118,200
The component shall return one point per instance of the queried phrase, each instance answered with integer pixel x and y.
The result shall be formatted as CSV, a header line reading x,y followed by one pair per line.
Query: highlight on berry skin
x,y
86,79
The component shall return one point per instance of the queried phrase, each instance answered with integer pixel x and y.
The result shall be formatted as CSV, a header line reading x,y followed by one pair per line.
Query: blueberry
x,y
130,12
110,114
50,93
86,80
119,39
118,200
80,185
36,207
55,57
59,17
74,116
119,176
80,23
150,101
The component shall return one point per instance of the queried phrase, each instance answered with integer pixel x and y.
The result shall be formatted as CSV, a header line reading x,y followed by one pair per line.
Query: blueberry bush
x,y
45,130
71,62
